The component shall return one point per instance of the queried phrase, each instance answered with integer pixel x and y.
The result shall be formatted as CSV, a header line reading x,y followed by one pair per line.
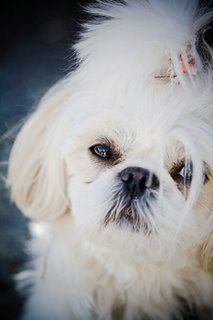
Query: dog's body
x,y
76,278
125,143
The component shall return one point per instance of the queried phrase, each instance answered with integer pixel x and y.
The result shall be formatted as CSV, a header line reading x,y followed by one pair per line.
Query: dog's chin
x,y
134,214
127,217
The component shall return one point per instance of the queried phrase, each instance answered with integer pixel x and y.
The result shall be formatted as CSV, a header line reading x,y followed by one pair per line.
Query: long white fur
x,y
83,270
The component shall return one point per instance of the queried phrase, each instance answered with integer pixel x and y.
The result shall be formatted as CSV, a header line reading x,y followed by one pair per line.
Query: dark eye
x,y
182,173
101,151
186,172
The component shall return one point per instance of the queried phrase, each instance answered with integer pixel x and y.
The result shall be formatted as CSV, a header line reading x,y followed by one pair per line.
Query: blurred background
x,y
35,51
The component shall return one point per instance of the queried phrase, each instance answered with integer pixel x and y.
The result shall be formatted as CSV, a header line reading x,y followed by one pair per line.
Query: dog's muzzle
x,y
136,191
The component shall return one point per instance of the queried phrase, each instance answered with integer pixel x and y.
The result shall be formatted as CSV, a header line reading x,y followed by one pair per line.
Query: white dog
x,y
115,165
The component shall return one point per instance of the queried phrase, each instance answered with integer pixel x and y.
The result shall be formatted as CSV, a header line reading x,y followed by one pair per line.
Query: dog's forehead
x,y
137,110
121,127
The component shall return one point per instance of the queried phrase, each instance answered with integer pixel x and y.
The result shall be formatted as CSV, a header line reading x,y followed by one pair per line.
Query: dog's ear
x,y
36,175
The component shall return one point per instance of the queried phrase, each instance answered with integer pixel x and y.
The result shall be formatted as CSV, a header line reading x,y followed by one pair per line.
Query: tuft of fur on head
x,y
163,31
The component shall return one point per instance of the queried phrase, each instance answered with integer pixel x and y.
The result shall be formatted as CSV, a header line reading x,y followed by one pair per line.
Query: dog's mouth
x,y
125,215
135,213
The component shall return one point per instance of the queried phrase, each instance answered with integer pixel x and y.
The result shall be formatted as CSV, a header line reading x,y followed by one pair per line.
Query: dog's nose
x,y
136,180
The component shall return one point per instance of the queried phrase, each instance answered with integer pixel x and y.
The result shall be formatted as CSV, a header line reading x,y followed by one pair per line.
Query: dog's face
x,y
116,178
133,172
146,173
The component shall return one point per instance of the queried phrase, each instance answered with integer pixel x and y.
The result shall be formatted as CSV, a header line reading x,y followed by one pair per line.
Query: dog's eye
x,y
101,151
186,172
182,173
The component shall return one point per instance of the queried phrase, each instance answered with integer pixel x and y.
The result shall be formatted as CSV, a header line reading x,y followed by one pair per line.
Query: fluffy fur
x,y
83,268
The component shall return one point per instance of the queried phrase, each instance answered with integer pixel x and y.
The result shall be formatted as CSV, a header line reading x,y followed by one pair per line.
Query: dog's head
x,y
119,149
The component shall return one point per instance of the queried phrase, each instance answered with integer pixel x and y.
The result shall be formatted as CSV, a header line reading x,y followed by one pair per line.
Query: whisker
x,y
135,213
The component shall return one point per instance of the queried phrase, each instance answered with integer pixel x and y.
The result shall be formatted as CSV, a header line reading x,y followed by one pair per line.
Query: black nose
x,y
136,180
